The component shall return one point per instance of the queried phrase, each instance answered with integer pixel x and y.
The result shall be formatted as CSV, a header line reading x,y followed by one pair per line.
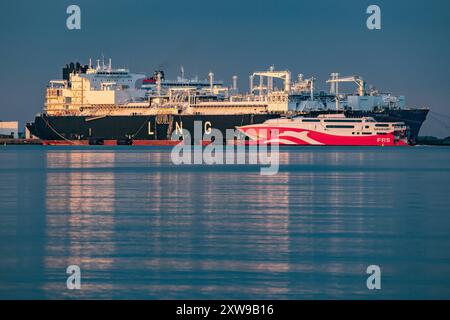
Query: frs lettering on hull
x,y
384,140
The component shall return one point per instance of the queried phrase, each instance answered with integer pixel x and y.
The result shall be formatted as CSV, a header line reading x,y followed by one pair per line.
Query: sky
x,y
408,56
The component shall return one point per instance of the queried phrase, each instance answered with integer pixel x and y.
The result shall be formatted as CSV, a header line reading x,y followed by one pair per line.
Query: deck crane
x,y
356,79
284,75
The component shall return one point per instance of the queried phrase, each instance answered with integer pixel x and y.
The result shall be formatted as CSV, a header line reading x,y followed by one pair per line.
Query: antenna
x,y
211,81
287,82
90,63
336,85
336,89
110,64
182,73
261,83
235,83
270,79
158,83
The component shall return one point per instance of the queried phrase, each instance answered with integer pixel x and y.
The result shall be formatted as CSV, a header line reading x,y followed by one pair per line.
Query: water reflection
x,y
140,227
184,224
80,207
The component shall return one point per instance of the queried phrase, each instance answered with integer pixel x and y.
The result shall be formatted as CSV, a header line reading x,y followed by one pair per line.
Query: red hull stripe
x,y
155,143
109,143
114,142
65,142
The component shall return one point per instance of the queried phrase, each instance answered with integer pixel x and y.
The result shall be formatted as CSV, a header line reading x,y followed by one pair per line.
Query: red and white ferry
x,y
328,130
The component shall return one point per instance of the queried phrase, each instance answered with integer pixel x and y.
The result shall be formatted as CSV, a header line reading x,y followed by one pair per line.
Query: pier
x,y
15,141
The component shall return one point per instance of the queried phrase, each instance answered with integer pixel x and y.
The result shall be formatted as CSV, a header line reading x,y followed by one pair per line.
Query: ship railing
x,y
58,84
248,98
171,105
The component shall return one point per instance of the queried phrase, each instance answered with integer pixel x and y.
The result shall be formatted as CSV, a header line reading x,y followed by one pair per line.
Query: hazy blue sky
x,y
409,55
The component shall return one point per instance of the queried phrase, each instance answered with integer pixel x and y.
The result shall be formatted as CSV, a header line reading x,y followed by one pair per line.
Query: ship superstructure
x,y
150,83
107,91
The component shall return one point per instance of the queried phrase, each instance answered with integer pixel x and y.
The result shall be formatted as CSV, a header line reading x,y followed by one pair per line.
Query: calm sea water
x,y
140,227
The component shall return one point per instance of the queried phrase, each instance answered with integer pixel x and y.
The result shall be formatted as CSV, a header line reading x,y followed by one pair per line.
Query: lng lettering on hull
x,y
328,130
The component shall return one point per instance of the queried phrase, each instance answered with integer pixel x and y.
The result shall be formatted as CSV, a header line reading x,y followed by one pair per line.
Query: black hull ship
x,y
134,130
106,106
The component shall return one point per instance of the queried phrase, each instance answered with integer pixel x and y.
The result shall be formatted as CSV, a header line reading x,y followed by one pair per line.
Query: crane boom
x,y
284,75
356,79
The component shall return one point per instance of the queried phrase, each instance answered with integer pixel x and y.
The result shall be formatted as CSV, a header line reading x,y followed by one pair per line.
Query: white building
x,y
9,128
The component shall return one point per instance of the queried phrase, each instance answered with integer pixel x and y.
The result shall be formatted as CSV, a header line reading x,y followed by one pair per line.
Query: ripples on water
x,y
140,227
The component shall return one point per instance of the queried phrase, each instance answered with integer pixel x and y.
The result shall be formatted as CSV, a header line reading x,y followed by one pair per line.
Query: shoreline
x,y
13,141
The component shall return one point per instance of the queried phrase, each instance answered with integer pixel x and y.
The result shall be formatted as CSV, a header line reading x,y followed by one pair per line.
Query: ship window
x,y
342,120
367,127
340,126
310,120
366,133
382,125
